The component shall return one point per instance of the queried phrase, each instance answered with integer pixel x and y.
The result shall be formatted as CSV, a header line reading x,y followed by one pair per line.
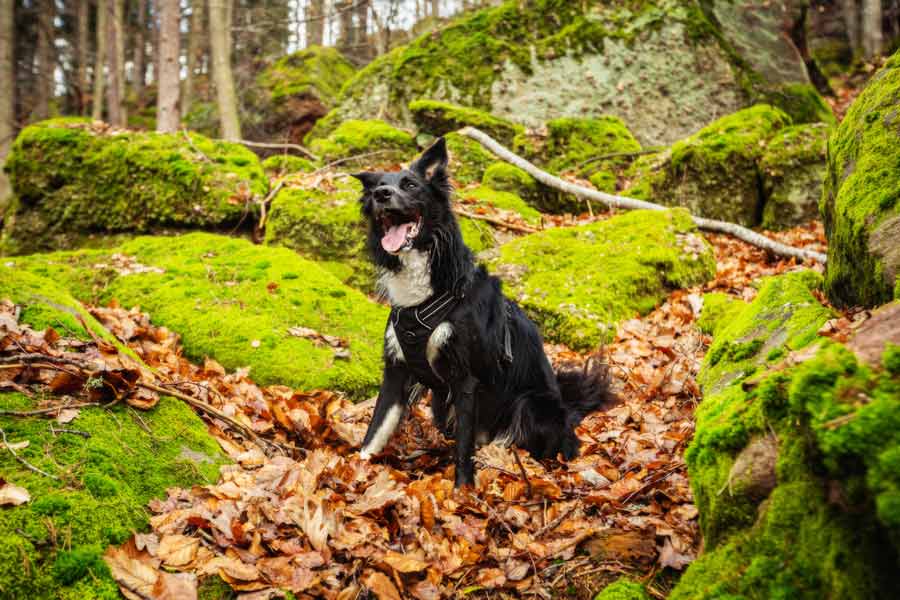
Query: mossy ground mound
x,y
279,165
714,172
354,138
577,282
468,158
793,170
823,524
235,302
623,589
71,179
861,201
441,118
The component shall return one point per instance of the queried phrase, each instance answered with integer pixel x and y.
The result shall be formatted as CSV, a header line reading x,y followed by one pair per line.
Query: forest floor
x,y
300,511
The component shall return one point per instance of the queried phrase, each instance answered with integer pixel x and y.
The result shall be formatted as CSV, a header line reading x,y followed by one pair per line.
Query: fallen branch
x,y
614,201
275,146
346,159
495,221
46,411
24,462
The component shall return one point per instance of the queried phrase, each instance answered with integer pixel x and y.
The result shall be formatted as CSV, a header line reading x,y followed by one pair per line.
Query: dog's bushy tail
x,y
585,388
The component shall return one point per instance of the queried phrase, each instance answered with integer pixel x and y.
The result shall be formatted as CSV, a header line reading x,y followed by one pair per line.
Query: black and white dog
x,y
451,330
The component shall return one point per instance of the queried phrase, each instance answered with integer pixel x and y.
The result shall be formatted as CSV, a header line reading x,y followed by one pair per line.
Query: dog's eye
x,y
408,185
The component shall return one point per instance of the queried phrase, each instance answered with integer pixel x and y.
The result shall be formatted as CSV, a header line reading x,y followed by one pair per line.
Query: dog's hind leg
x,y
463,393
389,409
441,406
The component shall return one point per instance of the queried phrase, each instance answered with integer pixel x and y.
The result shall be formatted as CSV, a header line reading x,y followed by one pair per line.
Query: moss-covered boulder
x,y
793,462
578,282
71,178
510,178
861,201
290,95
236,302
665,68
793,171
713,173
468,158
440,118
376,139
623,589
279,165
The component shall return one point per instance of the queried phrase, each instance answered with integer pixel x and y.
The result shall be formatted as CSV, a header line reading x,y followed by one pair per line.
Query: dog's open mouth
x,y
399,231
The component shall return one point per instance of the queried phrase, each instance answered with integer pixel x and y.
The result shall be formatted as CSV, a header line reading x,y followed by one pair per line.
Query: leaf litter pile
x,y
298,511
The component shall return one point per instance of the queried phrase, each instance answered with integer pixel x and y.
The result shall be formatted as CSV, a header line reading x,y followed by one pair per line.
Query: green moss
x,y
235,302
644,254
478,235
714,172
792,170
316,71
510,178
860,202
718,309
441,118
214,588
484,196
891,359
52,546
285,164
802,103
68,179
623,589
353,137
468,158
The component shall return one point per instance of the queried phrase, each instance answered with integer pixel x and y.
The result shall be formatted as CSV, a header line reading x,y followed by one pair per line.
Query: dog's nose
x,y
382,194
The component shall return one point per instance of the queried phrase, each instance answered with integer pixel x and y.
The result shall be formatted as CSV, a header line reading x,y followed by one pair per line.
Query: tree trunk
x,y
345,17
44,87
363,49
139,60
167,113
219,35
315,23
195,52
381,33
7,89
81,78
872,37
850,9
435,8
99,62
119,35
115,112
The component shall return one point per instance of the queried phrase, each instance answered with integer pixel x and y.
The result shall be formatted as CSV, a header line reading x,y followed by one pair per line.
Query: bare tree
x,y
435,8
219,41
344,10
46,64
363,49
195,51
139,60
99,61
7,90
81,79
168,81
114,99
872,37
315,23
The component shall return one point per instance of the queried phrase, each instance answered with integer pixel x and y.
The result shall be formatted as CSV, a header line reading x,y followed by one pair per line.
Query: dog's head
x,y
404,208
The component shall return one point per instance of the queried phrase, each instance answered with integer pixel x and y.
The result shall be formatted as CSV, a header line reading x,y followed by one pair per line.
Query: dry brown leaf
x,y
177,550
133,570
381,585
404,563
13,495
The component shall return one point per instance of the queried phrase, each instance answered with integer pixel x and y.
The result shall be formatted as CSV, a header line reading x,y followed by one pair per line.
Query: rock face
x,y
577,282
861,202
714,172
793,463
236,302
71,178
666,69
793,171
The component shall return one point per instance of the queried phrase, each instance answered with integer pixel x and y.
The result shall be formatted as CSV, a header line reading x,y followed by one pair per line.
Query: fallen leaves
x,y
12,495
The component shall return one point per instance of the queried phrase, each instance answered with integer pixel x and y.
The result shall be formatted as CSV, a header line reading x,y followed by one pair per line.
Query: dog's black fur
x,y
491,371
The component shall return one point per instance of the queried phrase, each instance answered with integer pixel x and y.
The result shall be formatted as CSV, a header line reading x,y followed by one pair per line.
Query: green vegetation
x,y
70,179
468,159
714,172
441,118
793,169
505,201
860,202
718,310
577,282
317,72
623,589
279,165
352,138
235,302
505,177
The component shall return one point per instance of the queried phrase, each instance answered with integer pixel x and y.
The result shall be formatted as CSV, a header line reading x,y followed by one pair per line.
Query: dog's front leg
x,y
388,411
463,393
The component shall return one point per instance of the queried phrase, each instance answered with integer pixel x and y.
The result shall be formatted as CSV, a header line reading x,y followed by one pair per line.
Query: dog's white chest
x,y
411,285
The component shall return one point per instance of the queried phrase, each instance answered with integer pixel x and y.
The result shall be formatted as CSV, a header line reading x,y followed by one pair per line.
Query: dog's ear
x,y
433,160
368,179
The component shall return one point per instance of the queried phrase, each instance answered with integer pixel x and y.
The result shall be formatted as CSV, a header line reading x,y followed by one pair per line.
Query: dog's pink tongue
x,y
395,237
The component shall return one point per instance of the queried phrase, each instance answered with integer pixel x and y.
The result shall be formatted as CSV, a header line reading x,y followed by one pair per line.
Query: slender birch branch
x,y
614,201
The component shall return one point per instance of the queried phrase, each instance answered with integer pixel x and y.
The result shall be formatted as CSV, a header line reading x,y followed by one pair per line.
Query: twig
x,y
524,474
653,481
555,522
263,205
341,161
193,147
594,159
22,460
276,146
36,356
83,434
495,221
46,411
614,201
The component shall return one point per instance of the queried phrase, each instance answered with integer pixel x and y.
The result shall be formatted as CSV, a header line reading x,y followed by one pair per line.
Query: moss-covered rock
x,y
718,310
279,165
830,425
793,170
353,138
290,95
861,201
578,282
510,178
487,197
468,158
440,118
651,63
235,302
71,178
623,589
713,173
